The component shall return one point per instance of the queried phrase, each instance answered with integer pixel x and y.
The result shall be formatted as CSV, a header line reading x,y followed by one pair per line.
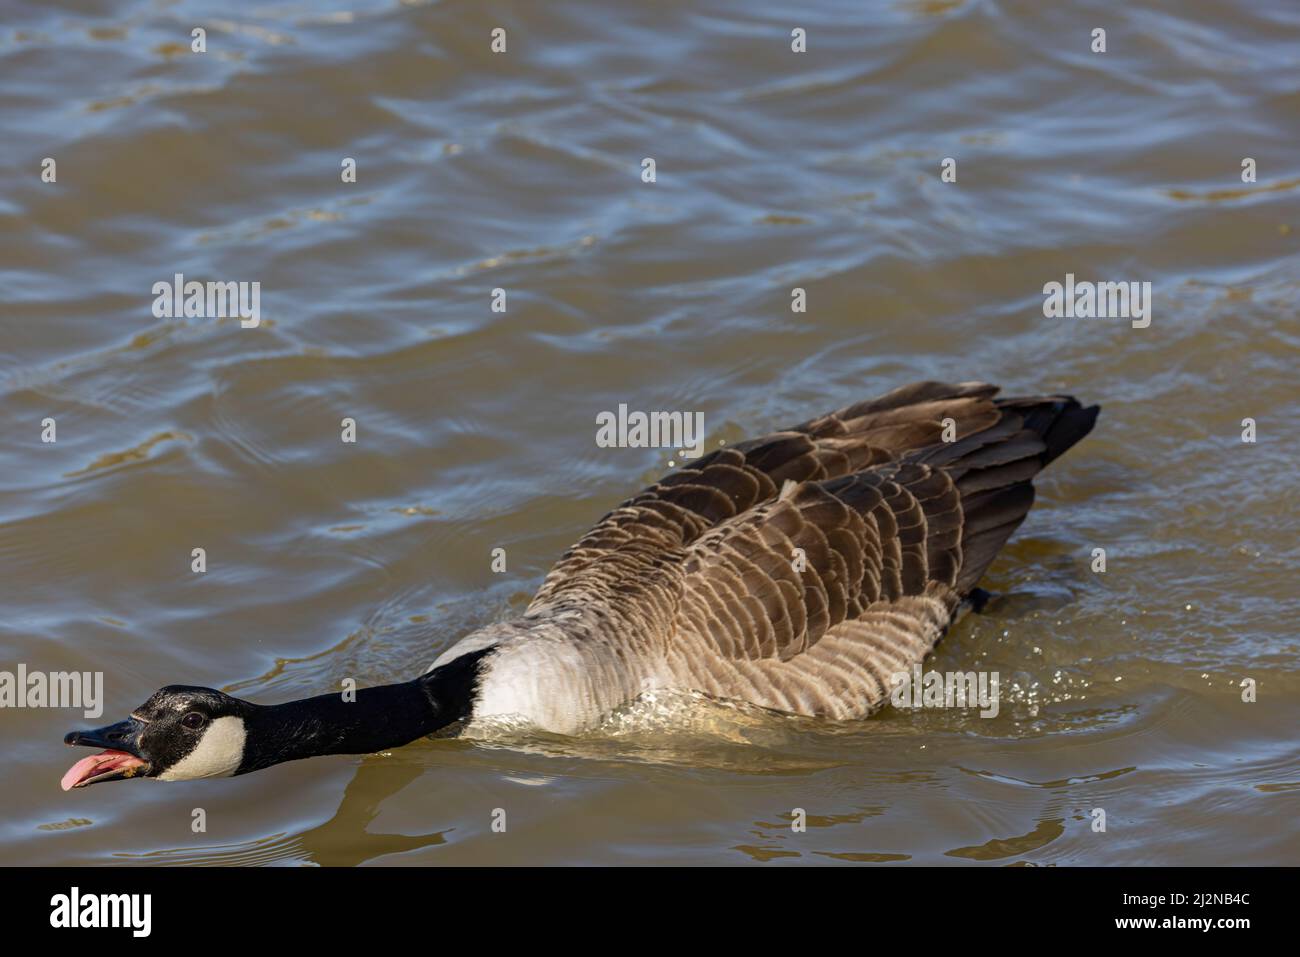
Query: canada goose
x,y
796,571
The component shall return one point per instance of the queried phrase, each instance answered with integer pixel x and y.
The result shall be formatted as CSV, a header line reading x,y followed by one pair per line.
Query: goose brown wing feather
x,y
822,553
799,569
683,505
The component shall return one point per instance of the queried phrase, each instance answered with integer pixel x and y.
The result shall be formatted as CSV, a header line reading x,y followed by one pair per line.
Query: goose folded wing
x,y
655,526
810,601
773,582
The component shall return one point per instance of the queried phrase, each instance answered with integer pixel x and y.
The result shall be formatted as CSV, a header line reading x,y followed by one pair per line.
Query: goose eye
x,y
193,720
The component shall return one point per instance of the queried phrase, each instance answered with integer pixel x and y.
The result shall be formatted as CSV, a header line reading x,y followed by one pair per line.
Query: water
x,y
522,172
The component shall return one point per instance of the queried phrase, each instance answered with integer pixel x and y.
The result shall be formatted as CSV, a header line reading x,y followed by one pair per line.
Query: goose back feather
x,y
796,571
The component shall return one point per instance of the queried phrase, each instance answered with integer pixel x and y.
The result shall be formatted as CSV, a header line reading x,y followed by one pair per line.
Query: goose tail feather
x,y
994,469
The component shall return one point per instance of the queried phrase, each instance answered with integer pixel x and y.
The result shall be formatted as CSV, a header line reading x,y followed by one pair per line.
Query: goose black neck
x,y
386,716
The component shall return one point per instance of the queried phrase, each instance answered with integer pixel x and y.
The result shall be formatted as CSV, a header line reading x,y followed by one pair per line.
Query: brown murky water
x,y
522,171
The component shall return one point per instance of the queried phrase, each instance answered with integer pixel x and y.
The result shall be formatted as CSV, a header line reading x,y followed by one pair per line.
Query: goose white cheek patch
x,y
217,755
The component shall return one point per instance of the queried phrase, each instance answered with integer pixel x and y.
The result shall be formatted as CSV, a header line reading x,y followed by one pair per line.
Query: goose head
x,y
186,732
180,733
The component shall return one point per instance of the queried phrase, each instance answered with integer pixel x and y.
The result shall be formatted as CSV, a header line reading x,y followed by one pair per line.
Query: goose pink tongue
x,y
97,764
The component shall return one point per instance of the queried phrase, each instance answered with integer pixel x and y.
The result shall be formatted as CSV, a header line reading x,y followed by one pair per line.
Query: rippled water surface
x,y
522,171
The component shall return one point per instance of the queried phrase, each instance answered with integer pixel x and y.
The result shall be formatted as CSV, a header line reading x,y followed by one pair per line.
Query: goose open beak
x,y
121,759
